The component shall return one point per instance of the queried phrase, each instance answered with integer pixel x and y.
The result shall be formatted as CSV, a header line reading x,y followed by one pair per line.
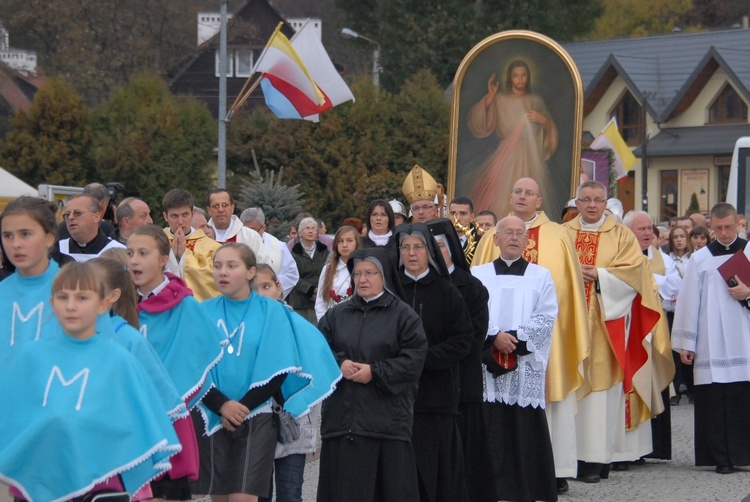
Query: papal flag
x,y
610,138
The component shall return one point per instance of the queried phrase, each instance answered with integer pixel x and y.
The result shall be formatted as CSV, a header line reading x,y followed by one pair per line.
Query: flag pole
x,y
240,99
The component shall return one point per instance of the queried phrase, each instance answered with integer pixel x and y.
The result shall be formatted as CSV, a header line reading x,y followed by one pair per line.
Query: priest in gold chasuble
x,y
628,366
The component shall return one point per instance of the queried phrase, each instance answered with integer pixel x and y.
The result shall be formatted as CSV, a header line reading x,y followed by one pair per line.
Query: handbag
x,y
288,428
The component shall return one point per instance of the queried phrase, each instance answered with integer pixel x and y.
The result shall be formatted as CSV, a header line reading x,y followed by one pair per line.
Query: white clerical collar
x,y
727,246
531,221
191,231
379,240
593,227
510,262
373,298
158,289
451,268
221,233
416,278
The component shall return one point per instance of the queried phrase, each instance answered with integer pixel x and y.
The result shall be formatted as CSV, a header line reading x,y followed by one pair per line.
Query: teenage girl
x,y
185,339
335,284
28,229
261,355
83,397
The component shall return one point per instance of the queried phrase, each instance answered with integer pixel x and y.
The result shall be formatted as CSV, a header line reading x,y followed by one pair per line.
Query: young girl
x,y
185,339
262,361
86,416
28,235
290,458
679,248
335,284
237,459
121,326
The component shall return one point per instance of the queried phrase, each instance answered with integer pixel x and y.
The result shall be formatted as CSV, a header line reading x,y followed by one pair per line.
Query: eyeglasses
x,y
511,233
586,202
378,215
76,214
405,248
419,209
222,205
527,193
367,273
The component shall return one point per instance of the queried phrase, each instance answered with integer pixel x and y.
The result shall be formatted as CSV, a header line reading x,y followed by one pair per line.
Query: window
x,y
629,119
728,107
243,62
230,64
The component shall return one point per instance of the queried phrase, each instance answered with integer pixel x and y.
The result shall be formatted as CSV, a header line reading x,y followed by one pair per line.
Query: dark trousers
x,y
289,473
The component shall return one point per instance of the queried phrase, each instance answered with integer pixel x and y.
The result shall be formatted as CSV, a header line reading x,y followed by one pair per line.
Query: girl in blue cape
x,y
121,325
28,237
261,361
85,413
186,340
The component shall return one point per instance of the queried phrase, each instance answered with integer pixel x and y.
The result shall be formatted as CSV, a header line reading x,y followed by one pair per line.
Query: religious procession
x,y
513,331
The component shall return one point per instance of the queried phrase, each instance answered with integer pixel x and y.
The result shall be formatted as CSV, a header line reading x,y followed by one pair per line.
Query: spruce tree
x,y
280,203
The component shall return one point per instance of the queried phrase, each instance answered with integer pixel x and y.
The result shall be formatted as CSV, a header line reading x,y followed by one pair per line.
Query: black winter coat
x,y
387,335
450,336
301,296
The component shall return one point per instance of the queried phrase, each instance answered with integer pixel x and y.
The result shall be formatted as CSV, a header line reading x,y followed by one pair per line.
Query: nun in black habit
x,y
366,428
480,482
450,336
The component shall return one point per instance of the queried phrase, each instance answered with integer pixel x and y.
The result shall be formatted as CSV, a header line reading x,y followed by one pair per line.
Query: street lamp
x,y
349,33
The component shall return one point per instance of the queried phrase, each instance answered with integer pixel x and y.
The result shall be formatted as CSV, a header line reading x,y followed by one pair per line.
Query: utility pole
x,y
222,161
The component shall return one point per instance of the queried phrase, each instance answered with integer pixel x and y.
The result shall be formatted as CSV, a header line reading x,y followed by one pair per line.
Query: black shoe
x,y
562,485
604,471
640,461
690,398
588,478
675,401
724,469
620,466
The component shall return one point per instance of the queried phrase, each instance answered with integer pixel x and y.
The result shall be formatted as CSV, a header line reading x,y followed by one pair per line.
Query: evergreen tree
x,y
51,144
694,205
280,203
153,142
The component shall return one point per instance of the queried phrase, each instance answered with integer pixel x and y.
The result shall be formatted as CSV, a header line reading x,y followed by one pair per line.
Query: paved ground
x,y
665,481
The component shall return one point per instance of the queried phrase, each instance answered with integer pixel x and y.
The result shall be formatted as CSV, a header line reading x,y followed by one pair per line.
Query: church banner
x,y
517,110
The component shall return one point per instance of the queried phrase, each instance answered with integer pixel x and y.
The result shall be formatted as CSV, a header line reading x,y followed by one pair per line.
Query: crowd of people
x,y
428,358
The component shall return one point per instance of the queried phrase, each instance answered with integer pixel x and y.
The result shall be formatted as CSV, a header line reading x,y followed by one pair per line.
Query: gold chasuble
x,y
198,264
633,350
549,246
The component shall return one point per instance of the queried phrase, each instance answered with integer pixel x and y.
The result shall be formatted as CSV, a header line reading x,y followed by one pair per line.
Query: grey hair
x,y
253,214
124,210
200,211
628,219
303,223
97,191
590,184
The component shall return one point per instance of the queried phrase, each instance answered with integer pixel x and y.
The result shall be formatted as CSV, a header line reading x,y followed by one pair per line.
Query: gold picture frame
x,y
492,144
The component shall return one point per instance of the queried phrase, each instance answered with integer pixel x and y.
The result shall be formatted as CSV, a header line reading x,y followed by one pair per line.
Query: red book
x,y
737,265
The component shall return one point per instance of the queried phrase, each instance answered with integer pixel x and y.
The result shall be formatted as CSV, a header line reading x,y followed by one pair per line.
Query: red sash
x,y
531,253
587,245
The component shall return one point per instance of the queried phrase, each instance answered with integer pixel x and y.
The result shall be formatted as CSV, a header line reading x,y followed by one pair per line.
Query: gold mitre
x,y
419,185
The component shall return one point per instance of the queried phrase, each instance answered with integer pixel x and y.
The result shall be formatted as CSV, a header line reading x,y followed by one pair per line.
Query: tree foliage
x,y
100,45
638,18
280,203
50,144
153,142
437,34
358,152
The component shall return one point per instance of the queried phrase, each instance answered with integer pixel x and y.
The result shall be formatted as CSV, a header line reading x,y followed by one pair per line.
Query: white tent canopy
x,y
12,187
